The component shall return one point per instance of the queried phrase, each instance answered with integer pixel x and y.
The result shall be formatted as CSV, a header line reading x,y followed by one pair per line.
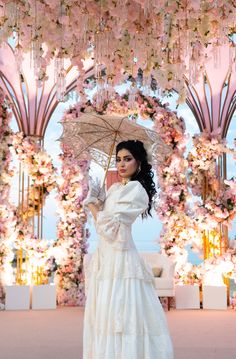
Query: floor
x,y
57,334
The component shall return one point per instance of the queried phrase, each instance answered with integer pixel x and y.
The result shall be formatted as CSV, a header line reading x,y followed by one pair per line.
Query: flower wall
x,y
17,227
215,207
7,210
41,257
168,38
218,203
173,208
72,235
38,166
37,176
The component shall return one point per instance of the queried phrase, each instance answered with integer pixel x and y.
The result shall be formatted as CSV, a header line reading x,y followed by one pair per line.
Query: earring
x,y
138,170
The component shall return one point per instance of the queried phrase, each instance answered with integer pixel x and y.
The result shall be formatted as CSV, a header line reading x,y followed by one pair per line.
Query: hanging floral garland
x,y
165,39
71,245
7,210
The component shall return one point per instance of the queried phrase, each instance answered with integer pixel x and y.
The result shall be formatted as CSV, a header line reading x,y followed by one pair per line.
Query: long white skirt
x,y
123,316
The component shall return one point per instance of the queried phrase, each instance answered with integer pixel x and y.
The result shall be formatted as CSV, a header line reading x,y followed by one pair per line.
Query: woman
x,y
123,316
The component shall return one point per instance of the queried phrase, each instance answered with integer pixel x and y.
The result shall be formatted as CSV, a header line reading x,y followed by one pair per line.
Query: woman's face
x,y
126,164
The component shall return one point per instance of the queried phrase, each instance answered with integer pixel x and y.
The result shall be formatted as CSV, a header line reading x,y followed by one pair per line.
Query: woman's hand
x,y
96,194
102,194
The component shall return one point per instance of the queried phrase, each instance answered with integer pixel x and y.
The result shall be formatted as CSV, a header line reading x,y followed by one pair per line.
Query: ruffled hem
x,y
125,316
122,346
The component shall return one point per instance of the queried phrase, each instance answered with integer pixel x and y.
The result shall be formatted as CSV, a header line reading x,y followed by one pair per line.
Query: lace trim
x,y
118,265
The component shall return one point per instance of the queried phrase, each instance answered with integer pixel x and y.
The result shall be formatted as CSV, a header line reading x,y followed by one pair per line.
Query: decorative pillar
x,y
211,103
30,211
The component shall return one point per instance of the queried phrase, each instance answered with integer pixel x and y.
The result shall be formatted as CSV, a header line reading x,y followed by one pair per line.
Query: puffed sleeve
x,y
115,227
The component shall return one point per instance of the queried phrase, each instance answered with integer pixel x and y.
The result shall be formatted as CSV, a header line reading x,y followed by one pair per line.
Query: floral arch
x,y
184,218
171,205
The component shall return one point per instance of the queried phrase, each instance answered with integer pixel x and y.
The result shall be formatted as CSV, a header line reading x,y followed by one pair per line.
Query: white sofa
x,y
164,284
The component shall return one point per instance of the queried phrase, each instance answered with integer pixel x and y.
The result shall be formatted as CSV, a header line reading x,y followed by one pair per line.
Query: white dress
x,y
123,316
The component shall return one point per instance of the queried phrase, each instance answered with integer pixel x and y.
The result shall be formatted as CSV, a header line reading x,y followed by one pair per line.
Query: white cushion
x,y
164,283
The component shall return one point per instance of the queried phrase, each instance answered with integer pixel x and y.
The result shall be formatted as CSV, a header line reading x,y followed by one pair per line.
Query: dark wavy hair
x,y
145,175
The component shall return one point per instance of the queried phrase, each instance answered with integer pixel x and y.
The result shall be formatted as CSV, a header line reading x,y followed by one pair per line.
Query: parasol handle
x,y
109,160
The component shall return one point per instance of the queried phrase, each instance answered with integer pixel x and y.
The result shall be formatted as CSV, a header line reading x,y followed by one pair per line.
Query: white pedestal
x,y
214,297
44,296
17,297
187,297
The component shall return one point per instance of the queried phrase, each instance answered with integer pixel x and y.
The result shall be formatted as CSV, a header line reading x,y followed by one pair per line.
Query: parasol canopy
x,y
99,135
